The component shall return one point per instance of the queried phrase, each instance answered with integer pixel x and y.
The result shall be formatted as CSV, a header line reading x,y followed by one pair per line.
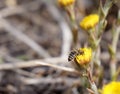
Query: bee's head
x,y
80,52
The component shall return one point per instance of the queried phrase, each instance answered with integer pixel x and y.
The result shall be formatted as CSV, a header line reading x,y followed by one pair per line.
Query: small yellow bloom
x,y
89,21
111,88
85,56
65,3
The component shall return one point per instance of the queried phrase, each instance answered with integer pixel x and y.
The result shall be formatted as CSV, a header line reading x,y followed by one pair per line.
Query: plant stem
x,y
92,83
113,56
71,13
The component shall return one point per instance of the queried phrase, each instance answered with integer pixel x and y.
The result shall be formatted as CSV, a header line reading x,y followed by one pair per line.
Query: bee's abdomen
x,y
71,55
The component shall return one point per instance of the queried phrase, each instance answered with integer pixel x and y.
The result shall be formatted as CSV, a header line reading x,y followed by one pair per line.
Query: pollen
x,y
85,57
111,88
65,3
89,21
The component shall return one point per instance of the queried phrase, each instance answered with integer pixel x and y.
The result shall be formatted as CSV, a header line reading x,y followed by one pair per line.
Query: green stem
x,y
103,11
113,55
71,14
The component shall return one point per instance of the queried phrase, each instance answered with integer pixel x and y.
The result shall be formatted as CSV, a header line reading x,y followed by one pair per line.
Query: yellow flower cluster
x,y
111,88
89,22
65,3
85,56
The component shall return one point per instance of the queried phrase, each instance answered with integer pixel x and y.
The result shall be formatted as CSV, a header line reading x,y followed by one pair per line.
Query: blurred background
x,y
39,31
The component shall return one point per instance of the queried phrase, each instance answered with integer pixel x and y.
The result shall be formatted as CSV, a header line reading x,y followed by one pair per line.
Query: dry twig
x,y
33,63
67,81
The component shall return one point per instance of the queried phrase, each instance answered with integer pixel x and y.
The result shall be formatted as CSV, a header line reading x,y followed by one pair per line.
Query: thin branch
x,y
67,81
33,63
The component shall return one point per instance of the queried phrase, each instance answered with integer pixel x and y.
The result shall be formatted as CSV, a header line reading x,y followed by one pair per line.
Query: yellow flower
x,y
65,3
111,88
89,21
84,57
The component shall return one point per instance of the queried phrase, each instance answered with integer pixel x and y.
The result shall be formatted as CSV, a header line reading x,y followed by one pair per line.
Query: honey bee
x,y
74,53
80,58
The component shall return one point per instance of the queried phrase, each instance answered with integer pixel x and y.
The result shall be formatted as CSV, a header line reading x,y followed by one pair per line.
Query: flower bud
x,y
65,3
89,22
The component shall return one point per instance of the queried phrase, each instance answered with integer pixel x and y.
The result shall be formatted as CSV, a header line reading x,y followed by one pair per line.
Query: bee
x,y
74,53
